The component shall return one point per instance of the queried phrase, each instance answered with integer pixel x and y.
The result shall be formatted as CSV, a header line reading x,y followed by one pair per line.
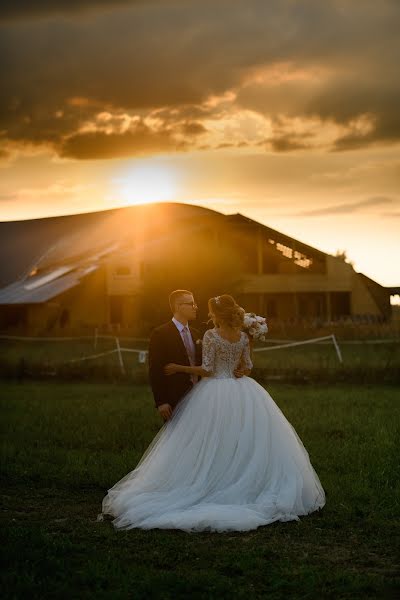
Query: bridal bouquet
x,y
255,326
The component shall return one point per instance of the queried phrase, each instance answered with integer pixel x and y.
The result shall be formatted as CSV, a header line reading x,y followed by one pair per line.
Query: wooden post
x,y
121,362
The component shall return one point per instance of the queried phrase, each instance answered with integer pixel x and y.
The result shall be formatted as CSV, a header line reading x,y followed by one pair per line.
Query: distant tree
x,y
342,254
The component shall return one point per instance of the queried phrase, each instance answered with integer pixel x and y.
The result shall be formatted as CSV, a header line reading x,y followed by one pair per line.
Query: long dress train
x,y
227,460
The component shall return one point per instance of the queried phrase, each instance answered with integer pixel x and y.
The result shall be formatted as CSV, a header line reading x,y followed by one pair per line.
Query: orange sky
x,y
284,111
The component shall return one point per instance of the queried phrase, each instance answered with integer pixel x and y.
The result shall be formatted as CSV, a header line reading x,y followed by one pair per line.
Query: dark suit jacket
x,y
166,346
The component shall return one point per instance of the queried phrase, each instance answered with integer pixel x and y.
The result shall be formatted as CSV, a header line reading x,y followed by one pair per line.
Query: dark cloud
x,y
225,145
141,141
347,208
282,141
385,129
334,61
26,9
287,143
362,100
193,128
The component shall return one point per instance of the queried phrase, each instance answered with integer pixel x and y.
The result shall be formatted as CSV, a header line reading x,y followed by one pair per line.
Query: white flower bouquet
x,y
255,326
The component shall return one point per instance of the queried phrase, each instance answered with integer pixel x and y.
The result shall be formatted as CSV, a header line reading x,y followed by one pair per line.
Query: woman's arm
x,y
208,360
245,364
173,368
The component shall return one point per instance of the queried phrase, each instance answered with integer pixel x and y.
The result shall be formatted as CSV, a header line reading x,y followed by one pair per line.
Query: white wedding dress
x,y
227,460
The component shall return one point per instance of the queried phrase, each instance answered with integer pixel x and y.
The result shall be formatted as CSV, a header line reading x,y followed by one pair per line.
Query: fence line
x,y
324,341
69,339
92,356
303,342
135,339
143,354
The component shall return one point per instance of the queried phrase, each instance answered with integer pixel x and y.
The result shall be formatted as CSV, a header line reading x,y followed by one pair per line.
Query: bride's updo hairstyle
x,y
224,310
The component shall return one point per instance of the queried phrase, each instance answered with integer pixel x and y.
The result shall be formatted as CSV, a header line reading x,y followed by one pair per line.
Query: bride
x,y
228,459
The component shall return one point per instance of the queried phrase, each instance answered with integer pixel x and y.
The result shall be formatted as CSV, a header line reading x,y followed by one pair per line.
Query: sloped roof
x,y
56,240
68,248
22,292
277,235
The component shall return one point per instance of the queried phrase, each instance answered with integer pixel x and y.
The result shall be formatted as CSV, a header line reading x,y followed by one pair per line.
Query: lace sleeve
x,y
208,352
245,358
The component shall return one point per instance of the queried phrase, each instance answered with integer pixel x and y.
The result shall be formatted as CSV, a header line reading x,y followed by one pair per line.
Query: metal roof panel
x,y
16,293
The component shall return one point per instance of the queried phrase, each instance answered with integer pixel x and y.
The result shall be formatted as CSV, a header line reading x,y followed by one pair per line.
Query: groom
x,y
174,342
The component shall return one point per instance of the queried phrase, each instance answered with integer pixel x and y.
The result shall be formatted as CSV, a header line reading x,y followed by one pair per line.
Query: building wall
x,y
279,281
296,294
338,278
272,282
338,293
80,309
123,274
362,302
123,310
298,305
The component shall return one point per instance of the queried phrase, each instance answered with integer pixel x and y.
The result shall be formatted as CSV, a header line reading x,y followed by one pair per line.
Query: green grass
x,y
61,352
55,353
362,362
64,445
319,356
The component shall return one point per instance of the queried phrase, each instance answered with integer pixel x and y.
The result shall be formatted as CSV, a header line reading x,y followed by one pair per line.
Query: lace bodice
x,y
222,357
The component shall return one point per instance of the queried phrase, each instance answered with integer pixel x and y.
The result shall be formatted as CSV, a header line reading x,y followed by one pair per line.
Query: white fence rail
x,y
302,343
142,354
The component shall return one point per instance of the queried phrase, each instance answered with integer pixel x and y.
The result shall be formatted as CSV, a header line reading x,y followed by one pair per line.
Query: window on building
x,y
279,257
340,304
312,304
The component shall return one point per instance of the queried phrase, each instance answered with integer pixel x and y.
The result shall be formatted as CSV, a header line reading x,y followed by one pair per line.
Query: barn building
x,y
80,272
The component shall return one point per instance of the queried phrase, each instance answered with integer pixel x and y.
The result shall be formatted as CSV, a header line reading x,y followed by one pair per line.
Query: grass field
x,y
65,444
362,362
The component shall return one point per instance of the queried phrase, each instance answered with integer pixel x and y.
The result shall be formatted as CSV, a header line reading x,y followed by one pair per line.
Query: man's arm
x,y
156,365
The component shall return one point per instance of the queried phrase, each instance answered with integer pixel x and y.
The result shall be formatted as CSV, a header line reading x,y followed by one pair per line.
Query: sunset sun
x,y
145,182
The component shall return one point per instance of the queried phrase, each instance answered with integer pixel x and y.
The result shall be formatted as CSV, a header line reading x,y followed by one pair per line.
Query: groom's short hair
x,y
175,296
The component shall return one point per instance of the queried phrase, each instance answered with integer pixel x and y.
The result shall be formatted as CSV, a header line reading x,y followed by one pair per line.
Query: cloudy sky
x,y
284,110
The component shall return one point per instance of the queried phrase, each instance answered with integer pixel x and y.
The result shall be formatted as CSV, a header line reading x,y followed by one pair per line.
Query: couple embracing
x,y
175,348
226,457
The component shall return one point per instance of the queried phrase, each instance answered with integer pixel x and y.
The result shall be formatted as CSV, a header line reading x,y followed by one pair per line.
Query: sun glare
x,y
146,182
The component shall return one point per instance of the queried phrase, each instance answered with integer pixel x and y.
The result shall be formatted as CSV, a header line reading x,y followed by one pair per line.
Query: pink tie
x,y
189,350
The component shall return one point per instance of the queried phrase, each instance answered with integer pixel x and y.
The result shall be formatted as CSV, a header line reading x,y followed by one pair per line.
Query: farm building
x,y
80,272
